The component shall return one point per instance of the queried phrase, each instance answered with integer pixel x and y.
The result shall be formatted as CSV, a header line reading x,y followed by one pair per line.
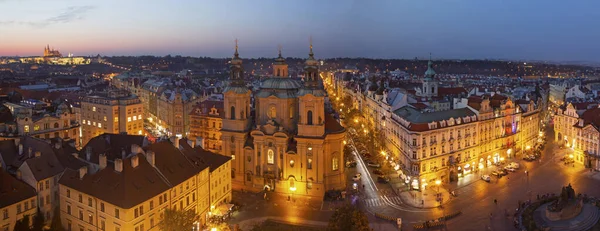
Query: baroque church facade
x,y
286,142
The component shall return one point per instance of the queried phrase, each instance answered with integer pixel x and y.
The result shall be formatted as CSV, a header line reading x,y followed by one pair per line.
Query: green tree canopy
x,y
38,221
22,224
348,218
175,220
56,223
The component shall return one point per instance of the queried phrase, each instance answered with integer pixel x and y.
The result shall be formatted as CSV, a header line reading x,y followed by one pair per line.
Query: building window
x,y
291,112
232,113
309,118
128,119
36,127
26,128
134,118
272,112
93,108
116,212
105,118
80,198
90,201
69,209
102,206
270,157
335,163
309,163
292,163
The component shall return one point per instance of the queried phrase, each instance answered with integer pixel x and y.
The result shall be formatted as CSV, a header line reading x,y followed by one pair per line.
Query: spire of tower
x,y
236,54
311,54
279,48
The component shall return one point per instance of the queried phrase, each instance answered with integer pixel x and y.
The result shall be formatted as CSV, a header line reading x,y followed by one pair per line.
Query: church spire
x,y
311,55
236,54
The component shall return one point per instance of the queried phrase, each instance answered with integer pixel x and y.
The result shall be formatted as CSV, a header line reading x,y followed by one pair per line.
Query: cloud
x,y
69,14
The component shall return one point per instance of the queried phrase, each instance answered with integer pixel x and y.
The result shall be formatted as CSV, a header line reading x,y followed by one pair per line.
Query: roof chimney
x,y
118,165
82,172
150,157
135,161
19,174
20,149
30,152
581,122
102,161
38,153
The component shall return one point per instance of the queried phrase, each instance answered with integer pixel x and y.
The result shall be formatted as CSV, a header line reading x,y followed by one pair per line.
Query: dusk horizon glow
x,y
467,29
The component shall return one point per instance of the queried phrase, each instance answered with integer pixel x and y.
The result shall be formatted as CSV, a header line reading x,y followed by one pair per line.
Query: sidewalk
x,y
427,198
250,223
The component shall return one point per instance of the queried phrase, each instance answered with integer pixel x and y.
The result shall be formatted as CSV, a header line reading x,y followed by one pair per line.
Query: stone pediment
x,y
269,128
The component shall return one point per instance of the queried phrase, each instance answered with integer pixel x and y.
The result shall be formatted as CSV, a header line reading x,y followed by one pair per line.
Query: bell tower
x,y
236,119
311,100
430,85
280,67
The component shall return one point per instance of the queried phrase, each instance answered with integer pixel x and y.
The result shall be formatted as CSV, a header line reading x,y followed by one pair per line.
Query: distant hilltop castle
x,y
51,52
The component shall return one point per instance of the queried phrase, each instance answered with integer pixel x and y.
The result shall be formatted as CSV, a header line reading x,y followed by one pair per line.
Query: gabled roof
x,y
199,156
111,145
172,163
13,190
124,189
44,166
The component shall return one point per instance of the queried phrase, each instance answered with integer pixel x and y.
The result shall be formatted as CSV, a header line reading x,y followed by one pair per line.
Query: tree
x,y
348,218
56,223
175,220
23,224
38,221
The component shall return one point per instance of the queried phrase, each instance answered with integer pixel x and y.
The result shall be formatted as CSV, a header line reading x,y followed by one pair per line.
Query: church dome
x,y
430,72
280,83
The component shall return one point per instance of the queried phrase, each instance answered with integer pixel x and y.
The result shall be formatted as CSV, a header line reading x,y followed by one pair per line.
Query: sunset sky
x,y
468,29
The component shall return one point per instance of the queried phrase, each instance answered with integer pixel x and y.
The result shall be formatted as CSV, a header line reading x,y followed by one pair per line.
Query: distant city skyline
x,y
467,29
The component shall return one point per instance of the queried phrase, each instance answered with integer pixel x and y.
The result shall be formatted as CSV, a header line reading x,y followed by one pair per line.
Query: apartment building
x,y
129,183
113,111
38,119
576,127
40,164
18,200
205,125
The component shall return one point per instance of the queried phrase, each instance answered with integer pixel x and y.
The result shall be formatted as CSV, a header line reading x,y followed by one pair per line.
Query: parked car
x,y
486,178
497,174
374,165
356,177
503,172
378,172
510,169
383,179
514,165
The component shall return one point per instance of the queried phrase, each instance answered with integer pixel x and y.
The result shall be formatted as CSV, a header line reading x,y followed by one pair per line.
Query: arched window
x,y
309,119
335,165
55,125
278,72
232,112
291,112
309,163
270,157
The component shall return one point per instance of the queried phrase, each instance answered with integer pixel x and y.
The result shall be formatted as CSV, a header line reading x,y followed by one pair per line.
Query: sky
x,y
553,30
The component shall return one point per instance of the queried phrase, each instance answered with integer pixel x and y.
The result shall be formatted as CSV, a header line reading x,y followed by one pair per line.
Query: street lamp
x,y
438,182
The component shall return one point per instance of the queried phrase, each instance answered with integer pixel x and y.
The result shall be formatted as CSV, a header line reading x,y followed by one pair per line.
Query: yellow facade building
x,y
18,200
576,126
205,125
129,183
114,111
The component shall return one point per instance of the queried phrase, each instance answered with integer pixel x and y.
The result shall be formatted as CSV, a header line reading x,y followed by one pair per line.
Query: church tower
x,y
236,121
430,85
280,67
311,100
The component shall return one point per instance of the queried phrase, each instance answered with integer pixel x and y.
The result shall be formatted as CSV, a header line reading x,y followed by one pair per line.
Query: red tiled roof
x,y
591,116
451,90
419,106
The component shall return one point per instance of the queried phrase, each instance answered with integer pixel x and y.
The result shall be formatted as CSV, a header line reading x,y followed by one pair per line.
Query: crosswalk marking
x,y
374,202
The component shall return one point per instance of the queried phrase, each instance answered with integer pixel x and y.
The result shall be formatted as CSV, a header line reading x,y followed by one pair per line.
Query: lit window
x,y
128,119
104,118
116,119
83,121
134,118
36,127
99,125
93,108
94,123
26,128
139,116
89,123
233,157
139,132
335,164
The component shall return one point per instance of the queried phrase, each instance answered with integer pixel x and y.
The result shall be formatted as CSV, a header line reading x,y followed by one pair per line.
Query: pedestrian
x,y
265,196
